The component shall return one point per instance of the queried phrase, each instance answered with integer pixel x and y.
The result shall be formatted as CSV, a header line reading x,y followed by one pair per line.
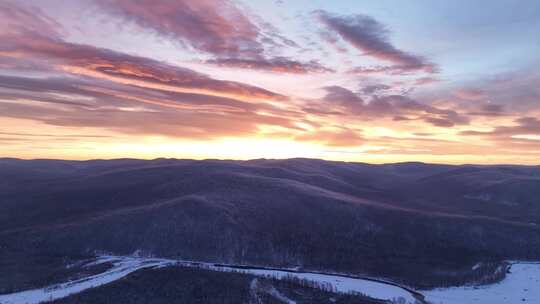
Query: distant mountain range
x,y
421,224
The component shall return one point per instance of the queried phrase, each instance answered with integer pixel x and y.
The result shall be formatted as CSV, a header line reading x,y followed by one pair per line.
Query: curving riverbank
x,y
520,285
124,265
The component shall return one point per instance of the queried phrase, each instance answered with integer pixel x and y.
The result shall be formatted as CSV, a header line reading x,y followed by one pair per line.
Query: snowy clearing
x,y
521,285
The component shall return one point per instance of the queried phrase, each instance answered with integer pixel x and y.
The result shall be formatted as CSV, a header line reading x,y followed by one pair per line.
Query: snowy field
x,y
521,285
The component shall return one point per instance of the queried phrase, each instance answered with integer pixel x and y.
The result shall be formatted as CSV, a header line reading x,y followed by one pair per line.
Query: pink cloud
x,y
215,27
371,37
470,94
24,43
276,64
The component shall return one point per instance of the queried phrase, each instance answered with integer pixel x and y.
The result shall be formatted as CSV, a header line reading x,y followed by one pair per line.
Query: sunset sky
x,y
369,81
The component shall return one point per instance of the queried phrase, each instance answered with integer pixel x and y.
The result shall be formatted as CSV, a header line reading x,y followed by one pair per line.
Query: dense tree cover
x,y
19,272
423,225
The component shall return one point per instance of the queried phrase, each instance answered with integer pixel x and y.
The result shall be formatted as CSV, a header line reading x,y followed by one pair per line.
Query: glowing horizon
x,y
97,79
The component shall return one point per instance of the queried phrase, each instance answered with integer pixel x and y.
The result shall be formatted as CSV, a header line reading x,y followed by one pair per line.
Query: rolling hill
x,y
421,224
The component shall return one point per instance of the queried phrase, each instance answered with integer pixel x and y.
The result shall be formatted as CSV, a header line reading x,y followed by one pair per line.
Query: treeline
x,y
482,273
190,285
318,290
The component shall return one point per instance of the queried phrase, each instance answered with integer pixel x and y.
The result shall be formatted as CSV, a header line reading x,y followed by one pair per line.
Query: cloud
x,y
219,28
440,122
508,93
333,39
216,27
371,37
343,96
85,86
375,88
523,126
522,138
54,135
402,118
426,80
276,64
489,109
144,72
18,21
25,42
375,70
470,94
401,108
382,70
131,110
90,93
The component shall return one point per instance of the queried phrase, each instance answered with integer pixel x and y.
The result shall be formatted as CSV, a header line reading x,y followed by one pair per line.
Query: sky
x,y
366,81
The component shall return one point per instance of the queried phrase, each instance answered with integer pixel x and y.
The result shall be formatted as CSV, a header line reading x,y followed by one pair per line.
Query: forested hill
x,y
418,223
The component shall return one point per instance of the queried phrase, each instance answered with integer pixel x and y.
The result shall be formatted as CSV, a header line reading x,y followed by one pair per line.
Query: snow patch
x,y
521,285
255,288
476,266
278,295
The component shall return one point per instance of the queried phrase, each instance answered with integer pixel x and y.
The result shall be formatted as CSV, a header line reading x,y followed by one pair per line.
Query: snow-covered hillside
x,y
521,285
